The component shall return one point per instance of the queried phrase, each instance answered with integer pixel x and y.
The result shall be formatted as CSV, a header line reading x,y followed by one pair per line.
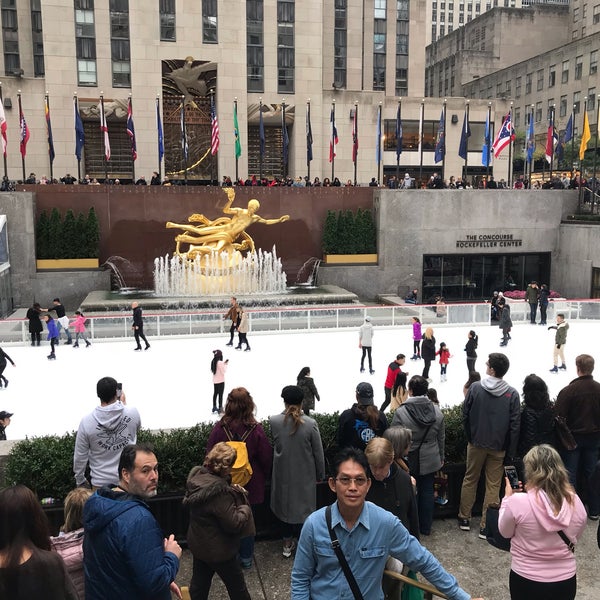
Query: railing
x,y
113,326
589,201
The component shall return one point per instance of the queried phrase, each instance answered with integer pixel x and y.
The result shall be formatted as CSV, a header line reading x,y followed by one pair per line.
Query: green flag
x,y
236,131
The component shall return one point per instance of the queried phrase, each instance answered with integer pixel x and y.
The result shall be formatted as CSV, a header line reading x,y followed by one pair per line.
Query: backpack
x,y
241,470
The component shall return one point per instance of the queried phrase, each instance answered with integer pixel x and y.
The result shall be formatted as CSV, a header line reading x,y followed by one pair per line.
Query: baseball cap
x,y
364,393
5,415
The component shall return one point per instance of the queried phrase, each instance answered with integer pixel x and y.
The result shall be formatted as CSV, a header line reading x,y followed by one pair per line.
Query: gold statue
x,y
223,234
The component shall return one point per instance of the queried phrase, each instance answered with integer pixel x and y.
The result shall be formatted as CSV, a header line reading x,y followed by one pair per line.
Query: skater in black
x,y
428,351
35,324
471,350
234,315
505,322
138,327
3,358
243,330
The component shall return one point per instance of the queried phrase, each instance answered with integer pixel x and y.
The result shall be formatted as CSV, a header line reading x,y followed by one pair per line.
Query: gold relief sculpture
x,y
224,234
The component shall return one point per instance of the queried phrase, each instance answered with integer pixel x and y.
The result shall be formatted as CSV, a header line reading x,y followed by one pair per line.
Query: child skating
x,y
79,326
417,336
52,335
218,367
444,355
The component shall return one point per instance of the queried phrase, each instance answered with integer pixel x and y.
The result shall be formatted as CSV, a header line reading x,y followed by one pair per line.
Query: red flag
x,y
3,127
24,131
355,135
104,129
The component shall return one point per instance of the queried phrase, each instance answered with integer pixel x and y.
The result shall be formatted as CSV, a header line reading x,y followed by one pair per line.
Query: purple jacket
x,y
417,331
52,329
260,454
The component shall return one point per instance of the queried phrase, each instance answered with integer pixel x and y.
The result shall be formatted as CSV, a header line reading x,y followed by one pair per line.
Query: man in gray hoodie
x,y
491,418
103,434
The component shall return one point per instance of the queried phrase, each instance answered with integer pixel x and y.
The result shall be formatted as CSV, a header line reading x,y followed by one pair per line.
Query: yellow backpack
x,y
241,470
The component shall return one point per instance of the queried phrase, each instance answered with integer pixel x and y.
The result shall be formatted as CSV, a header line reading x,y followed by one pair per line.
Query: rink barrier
x,y
116,326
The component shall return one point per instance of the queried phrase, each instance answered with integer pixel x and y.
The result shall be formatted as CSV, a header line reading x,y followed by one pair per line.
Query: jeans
x,y
229,571
366,350
543,311
526,589
586,456
477,459
532,311
59,327
425,502
443,369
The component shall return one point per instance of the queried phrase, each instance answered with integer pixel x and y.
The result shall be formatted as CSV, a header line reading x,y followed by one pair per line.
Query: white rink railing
x,y
117,325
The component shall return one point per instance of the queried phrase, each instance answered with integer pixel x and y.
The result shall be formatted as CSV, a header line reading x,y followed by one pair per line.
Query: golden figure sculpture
x,y
223,234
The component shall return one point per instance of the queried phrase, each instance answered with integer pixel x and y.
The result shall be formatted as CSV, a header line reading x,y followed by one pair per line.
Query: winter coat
x,y
418,413
505,320
243,326
579,403
428,348
417,335
537,551
220,516
260,455
537,427
52,329
309,389
397,495
544,295
392,372
219,376
79,324
298,464
70,548
354,431
35,323
4,357
470,348
138,320
444,356
560,337
531,295
123,550
365,334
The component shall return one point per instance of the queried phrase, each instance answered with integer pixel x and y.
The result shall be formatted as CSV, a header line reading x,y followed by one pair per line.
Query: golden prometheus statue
x,y
223,234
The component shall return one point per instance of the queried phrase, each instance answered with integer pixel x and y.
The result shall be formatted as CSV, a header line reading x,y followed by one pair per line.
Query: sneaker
x,y
554,369
483,533
441,501
593,517
464,524
246,563
288,549
563,367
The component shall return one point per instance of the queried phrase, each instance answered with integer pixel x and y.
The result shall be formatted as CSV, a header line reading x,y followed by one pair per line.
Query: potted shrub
x,y
349,238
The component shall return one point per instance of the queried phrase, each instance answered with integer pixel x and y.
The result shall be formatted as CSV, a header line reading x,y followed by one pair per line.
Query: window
x,y
540,80
402,29
85,42
575,14
10,35
565,72
379,44
591,101
119,43
596,14
380,9
538,112
578,67
593,62
508,87
37,38
517,120
518,87
576,102
209,21
550,107
167,20
551,76
563,106
286,55
498,89
528,83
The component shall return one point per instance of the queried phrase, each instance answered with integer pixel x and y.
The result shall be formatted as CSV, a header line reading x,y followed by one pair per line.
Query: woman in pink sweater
x,y
218,367
542,525
79,325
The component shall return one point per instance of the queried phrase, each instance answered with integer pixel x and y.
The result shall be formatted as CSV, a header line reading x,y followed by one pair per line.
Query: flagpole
x,y
465,133
160,135
103,120
308,141
355,141
444,142
4,153
236,133
132,159
284,150
421,119
595,152
184,141
260,142
332,140
398,118
573,142
379,147
76,109
510,146
20,126
47,100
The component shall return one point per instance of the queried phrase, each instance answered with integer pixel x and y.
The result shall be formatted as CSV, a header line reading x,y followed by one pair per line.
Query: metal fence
x,y
114,326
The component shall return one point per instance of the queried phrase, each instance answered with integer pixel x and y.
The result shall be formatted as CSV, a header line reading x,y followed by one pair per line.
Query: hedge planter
x,y
64,264
350,259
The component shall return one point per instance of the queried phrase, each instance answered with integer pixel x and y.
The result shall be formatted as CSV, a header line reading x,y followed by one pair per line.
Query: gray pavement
x,y
480,569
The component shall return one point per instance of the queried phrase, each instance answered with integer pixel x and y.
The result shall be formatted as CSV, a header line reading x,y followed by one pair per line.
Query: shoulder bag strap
x,y
227,433
566,540
424,436
245,436
335,544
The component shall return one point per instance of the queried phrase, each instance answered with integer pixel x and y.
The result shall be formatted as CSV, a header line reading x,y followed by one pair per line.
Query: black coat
x,y
537,427
428,348
35,324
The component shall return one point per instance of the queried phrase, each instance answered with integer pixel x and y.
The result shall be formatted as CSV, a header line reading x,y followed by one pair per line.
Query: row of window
x,y
10,38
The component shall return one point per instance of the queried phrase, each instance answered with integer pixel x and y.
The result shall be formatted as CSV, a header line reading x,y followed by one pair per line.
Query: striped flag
x,y
333,136
104,129
184,141
505,136
214,128
131,129
3,127
49,131
24,131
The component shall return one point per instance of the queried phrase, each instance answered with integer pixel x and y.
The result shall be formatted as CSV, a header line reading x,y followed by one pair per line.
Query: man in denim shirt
x,y
367,535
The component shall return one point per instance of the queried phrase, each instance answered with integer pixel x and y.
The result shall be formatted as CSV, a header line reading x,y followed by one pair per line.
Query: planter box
x,y
63,264
350,259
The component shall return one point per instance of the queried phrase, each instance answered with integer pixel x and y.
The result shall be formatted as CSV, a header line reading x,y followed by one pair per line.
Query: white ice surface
x,y
171,383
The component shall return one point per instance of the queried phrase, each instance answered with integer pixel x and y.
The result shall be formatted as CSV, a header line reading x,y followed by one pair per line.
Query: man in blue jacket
x,y
125,554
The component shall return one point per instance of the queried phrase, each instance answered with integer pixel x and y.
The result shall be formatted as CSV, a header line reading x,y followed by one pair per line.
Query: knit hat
x,y
292,394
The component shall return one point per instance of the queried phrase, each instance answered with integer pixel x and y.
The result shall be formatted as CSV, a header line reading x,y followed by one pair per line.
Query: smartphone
x,y
513,477
119,389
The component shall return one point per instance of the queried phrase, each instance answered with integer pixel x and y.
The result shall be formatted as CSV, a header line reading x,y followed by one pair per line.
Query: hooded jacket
x,y
220,516
70,548
123,549
418,413
491,415
101,437
365,334
537,551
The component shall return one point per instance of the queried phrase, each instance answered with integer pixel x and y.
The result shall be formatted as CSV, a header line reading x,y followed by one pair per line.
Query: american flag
x,y
104,129
24,131
131,130
214,129
333,136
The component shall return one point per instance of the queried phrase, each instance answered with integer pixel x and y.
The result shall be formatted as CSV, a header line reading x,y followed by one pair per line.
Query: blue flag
x,y
161,140
440,145
309,137
487,141
398,133
569,130
261,132
79,134
559,146
530,140
463,147
378,140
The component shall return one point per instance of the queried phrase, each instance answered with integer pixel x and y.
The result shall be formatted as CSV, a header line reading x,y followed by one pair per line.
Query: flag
x,y
421,116
398,133
378,138
261,132
131,129
285,140
463,147
355,135
185,149
236,132
530,140
104,129
214,128
24,131
505,136
440,144
586,136
550,138
569,130
309,137
49,131
3,127
161,139
333,136
79,134
487,140
559,146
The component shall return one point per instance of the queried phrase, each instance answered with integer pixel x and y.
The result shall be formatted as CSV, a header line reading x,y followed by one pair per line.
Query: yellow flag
x,y
585,136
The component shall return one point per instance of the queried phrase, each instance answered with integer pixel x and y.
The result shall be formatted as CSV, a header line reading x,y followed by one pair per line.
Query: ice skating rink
x,y
171,384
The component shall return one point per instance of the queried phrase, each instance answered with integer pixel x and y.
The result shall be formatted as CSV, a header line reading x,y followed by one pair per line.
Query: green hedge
x,y
45,464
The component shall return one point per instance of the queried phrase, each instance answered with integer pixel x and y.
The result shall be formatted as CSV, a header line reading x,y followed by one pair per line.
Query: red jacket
x,y
444,356
393,369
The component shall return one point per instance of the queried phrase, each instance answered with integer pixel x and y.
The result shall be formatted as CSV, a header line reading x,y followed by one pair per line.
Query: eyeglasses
x,y
346,481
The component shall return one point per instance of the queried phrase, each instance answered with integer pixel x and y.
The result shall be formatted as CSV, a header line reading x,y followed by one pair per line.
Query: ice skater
x,y
35,324
417,336
138,326
444,354
3,358
79,326
242,329
234,315
428,352
52,335
560,339
365,342
471,350
505,322
62,321
218,366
